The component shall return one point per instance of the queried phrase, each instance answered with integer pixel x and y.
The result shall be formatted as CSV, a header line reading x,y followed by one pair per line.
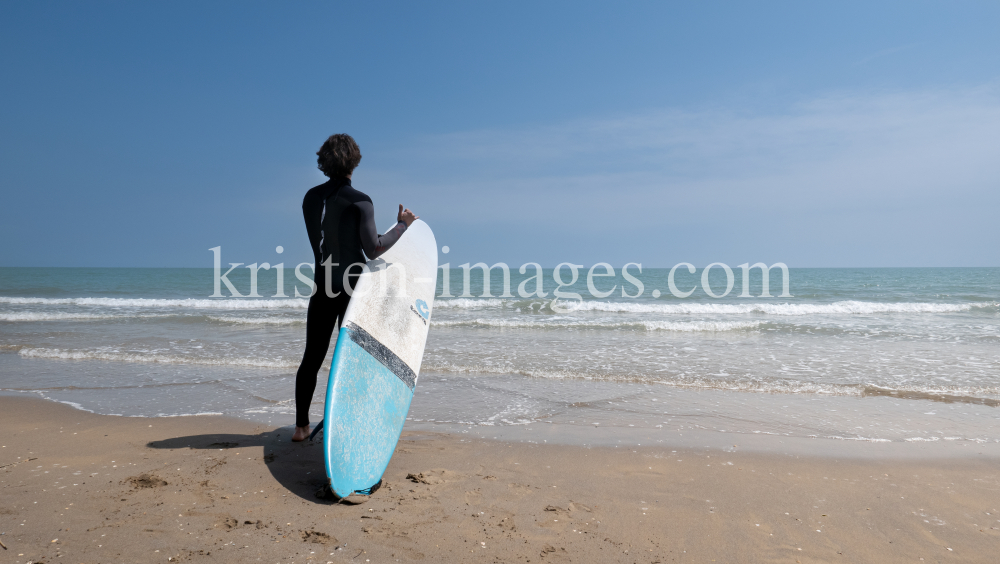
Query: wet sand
x,y
79,487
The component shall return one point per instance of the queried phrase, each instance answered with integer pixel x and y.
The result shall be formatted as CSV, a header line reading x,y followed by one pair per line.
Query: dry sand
x,y
78,487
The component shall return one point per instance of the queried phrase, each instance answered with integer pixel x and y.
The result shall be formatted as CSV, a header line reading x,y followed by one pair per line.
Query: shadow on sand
x,y
299,467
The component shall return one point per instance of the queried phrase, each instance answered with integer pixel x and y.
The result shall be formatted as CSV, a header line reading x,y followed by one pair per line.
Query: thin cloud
x,y
815,153
885,53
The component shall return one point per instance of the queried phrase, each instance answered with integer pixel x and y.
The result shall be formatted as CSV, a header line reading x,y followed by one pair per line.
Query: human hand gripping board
x,y
377,361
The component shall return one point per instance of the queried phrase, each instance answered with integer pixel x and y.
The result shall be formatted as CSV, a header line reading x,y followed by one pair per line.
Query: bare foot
x,y
301,434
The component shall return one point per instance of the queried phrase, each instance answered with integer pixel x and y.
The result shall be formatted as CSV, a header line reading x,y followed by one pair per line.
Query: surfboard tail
x,y
356,497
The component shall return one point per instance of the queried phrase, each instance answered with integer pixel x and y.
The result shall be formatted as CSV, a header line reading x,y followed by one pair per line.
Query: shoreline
x,y
524,409
215,489
698,432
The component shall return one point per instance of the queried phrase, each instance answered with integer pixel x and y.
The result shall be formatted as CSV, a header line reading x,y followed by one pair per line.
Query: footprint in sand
x,y
434,477
550,552
213,465
318,537
228,523
519,489
474,497
506,523
143,481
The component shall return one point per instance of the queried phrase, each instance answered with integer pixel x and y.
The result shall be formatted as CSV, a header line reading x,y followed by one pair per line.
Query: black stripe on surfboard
x,y
372,346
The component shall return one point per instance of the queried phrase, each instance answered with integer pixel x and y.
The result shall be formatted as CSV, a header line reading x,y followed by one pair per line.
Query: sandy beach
x,y
79,487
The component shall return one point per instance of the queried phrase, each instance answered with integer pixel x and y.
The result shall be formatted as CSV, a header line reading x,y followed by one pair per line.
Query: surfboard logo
x,y
420,307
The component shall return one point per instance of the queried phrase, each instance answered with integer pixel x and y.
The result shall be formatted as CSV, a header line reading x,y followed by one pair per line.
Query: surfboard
x,y
376,362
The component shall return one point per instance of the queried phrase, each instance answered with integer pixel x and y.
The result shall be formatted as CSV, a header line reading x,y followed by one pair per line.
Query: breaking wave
x,y
37,316
257,320
559,323
115,356
192,303
850,307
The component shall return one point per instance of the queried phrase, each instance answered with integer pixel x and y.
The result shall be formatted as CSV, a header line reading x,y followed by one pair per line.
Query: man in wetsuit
x,y
341,225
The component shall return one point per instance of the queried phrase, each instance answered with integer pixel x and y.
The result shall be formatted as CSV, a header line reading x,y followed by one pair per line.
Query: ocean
x,y
878,355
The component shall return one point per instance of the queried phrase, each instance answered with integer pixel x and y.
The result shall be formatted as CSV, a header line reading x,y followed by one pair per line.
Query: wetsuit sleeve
x,y
312,224
373,243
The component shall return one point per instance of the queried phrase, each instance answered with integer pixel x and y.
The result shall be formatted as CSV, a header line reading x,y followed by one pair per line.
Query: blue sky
x,y
846,134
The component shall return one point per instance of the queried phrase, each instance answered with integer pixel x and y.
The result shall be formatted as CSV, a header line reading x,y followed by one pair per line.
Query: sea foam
x,y
257,320
193,303
40,316
850,307
113,356
562,323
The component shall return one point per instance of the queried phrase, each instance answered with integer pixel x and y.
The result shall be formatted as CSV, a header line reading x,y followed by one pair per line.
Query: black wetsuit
x,y
341,225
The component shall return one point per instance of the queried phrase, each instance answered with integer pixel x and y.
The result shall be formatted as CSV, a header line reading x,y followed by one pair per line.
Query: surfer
x,y
340,222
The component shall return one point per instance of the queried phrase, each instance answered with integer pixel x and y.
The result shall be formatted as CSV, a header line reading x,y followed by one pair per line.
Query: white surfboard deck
x,y
376,362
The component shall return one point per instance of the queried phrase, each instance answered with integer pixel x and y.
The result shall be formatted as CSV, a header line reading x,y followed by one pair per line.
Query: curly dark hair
x,y
338,156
